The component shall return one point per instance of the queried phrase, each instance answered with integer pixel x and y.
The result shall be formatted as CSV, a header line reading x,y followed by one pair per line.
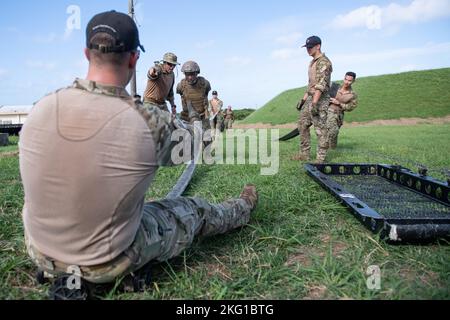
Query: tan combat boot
x,y
250,195
319,161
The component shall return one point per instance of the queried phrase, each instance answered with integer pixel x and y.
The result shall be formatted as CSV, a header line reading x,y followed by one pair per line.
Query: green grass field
x,y
300,243
419,94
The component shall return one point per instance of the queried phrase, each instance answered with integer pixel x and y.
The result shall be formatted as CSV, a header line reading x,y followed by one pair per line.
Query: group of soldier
x,y
193,90
317,108
89,152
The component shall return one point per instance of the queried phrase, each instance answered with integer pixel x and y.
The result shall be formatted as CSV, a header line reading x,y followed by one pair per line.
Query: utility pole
x,y
133,79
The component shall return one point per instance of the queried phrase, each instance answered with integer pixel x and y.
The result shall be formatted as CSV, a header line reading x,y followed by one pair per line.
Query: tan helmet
x,y
190,67
171,58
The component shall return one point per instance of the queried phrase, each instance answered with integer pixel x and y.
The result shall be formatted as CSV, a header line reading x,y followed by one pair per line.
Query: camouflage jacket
x,y
319,73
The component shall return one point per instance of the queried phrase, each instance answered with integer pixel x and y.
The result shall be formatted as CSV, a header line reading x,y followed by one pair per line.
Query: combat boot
x,y
319,161
250,195
301,157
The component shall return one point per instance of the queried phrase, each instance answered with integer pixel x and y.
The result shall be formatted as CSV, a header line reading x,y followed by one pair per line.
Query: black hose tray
x,y
401,205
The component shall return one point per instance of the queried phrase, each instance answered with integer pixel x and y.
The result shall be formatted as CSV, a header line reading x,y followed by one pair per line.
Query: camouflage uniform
x,y
166,227
319,72
348,102
197,95
215,107
229,119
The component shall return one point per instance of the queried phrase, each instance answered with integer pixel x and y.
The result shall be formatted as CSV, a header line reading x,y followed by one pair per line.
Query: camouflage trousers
x,y
318,118
216,123
229,124
335,120
163,107
167,228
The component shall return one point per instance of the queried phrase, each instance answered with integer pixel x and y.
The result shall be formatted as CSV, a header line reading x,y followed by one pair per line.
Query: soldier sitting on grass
x,y
88,154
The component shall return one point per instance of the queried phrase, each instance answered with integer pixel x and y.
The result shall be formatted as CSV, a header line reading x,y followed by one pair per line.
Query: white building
x,y
14,114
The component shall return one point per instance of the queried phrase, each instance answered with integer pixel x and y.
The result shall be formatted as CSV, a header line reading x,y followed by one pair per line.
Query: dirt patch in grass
x,y
316,292
9,154
300,257
304,256
392,122
400,122
217,269
428,278
337,247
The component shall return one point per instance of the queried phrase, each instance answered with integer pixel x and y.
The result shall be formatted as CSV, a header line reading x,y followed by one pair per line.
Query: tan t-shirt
x,y
215,105
160,89
87,158
229,114
348,100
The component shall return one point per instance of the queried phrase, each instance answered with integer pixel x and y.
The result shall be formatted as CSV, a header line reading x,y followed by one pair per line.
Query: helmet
x,y
171,58
190,67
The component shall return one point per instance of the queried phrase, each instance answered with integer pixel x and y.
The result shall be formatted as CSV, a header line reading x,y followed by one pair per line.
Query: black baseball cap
x,y
312,42
214,93
117,24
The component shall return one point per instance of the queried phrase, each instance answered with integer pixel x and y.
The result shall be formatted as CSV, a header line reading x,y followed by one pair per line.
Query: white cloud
x,y
284,54
205,44
40,64
374,17
389,55
289,39
238,61
417,11
49,38
285,31
369,17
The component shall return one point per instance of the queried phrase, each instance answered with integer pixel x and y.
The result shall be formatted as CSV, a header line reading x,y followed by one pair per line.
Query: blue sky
x,y
248,50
